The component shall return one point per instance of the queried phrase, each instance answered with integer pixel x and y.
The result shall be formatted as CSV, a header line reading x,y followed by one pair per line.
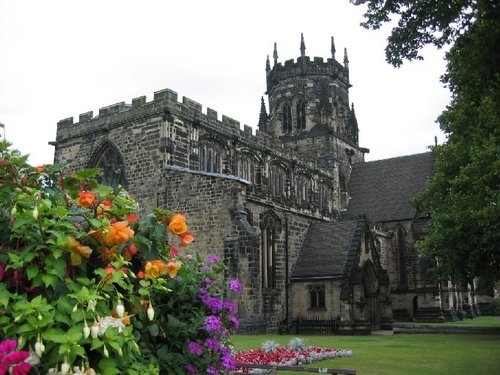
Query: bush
x,y
87,283
495,306
269,346
297,344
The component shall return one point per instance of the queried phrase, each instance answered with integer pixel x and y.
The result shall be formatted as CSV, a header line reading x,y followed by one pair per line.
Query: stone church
x,y
312,230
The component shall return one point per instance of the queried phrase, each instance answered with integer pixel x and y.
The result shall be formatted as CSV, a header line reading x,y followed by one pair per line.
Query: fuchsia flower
x,y
11,360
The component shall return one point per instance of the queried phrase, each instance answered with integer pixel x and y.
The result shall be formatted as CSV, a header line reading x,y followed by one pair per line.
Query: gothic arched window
x,y
287,118
317,297
270,226
210,159
400,244
112,168
300,113
277,181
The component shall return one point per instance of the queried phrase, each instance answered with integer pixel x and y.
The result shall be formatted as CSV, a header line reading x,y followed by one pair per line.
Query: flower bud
x,y
35,213
64,368
151,312
75,308
13,211
86,330
94,331
40,317
120,352
91,305
39,348
120,309
105,351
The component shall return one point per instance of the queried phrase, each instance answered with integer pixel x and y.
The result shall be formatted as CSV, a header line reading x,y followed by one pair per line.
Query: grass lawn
x,y
402,354
481,321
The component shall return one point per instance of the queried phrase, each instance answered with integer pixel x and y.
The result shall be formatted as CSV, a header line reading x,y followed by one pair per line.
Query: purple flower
x,y
208,281
203,294
212,259
212,324
212,344
195,348
191,369
235,286
229,306
228,362
212,371
234,322
214,304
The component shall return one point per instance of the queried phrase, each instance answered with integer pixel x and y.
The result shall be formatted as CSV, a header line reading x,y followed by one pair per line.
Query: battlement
x,y
163,101
304,66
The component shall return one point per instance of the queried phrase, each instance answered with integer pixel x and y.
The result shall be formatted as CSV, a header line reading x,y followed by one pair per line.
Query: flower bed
x,y
285,356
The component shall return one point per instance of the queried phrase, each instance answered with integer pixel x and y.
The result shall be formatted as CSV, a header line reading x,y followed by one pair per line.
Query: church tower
x,y
309,110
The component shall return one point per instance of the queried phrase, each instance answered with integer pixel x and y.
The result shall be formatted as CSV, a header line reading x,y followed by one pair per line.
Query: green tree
x,y
462,197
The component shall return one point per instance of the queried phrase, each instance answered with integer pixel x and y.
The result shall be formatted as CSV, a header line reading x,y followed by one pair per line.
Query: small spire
x,y
275,54
352,107
268,65
333,49
302,45
346,59
263,115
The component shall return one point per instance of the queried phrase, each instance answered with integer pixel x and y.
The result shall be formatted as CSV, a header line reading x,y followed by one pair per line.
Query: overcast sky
x,y
62,58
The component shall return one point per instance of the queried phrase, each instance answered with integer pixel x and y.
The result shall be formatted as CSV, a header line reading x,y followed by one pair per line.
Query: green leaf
x,y
87,173
49,280
32,271
108,366
154,330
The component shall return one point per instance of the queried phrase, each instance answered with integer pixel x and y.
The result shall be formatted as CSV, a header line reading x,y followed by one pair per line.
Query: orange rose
x,y
172,268
177,224
86,199
119,233
186,237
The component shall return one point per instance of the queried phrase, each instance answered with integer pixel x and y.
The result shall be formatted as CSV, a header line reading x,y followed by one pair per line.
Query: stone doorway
x,y
371,291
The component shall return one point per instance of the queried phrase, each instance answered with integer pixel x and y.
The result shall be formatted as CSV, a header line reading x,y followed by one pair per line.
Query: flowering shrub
x,y
284,356
88,286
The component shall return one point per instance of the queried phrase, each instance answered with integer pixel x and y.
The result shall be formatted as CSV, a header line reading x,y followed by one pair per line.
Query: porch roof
x,y
329,250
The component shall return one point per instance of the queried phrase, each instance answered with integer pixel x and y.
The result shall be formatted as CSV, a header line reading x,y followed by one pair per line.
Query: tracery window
x,y
247,168
317,297
270,226
300,115
210,159
400,243
324,197
287,118
302,189
277,178
112,167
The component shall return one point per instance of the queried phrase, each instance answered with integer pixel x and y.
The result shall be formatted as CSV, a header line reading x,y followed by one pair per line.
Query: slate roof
x,y
381,190
329,250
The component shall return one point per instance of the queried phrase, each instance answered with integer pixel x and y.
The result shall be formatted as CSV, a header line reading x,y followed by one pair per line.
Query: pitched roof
x,y
382,189
329,250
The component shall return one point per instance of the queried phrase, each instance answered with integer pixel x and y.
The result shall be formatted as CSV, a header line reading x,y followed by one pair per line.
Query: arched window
x,y
300,115
302,189
277,178
287,119
247,167
210,159
400,244
317,297
270,227
112,167
324,198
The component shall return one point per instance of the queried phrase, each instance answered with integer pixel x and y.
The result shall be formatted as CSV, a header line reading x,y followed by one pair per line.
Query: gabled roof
x,y
381,190
329,250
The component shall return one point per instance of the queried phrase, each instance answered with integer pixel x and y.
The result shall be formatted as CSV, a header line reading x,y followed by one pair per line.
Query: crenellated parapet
x,y
304,66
